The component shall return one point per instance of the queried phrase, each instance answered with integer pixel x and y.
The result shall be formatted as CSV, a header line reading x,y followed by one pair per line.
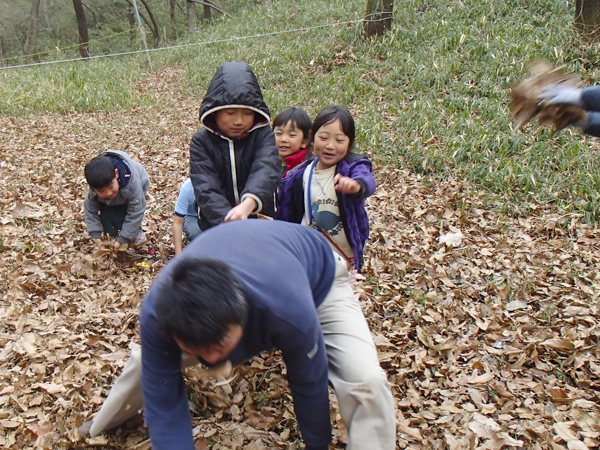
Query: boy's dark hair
x,y
331,113
297,117
99,172
199,301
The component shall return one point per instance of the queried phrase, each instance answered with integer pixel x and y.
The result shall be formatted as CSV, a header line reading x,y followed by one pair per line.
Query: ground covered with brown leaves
x,y
486,325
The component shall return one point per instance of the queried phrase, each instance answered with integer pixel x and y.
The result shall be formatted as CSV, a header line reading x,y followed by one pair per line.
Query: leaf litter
x,y
487,325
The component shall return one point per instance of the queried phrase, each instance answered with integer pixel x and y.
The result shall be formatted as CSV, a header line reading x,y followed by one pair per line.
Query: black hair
x,y
199,301
298,117
99,172
330,114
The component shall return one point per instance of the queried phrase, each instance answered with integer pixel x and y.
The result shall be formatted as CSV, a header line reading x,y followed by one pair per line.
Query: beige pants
x,y
363,393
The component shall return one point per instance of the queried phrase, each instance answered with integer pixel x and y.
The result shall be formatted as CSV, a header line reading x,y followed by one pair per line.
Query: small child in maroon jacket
x,y
292,130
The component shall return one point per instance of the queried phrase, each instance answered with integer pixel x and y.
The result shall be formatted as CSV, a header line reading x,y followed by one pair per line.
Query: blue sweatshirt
x,y
286,270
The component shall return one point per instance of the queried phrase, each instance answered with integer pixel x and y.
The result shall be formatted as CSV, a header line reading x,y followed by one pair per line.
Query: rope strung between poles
x,y
216,41
62,49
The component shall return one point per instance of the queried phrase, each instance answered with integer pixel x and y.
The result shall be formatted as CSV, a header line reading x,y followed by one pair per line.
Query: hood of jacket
x,y
234,85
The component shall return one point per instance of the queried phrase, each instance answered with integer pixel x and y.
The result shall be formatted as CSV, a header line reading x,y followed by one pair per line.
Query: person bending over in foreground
x,y
228,296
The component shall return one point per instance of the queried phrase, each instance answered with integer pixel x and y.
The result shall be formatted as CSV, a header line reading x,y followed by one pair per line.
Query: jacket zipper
x,y
236,194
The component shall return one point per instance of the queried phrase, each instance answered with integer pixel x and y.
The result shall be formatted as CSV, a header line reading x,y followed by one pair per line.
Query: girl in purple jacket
x,y
328,192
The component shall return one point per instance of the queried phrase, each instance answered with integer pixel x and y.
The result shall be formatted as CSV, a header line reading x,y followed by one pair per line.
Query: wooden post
x,y
587,19
378,17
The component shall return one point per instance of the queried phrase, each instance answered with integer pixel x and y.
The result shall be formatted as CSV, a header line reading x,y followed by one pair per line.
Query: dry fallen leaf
x,y
451,238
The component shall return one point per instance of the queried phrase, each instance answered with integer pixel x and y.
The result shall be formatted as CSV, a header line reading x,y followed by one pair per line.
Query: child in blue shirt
x,y
185,217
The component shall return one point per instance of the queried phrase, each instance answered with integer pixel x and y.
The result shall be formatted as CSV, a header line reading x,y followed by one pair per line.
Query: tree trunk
x,y
83,29
132,25
587,19
378,18
44,6
150,22
153,24
2,49
191,16
207,13
173,17
34,28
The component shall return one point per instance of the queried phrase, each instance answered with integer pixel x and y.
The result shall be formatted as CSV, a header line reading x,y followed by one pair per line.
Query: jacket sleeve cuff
x,y
256,199
363,188
96,234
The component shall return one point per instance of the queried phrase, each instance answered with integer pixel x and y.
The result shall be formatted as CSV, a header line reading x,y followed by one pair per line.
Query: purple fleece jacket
x,y
290,200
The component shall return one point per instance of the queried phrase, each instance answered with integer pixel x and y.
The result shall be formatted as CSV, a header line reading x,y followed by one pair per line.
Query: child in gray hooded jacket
x,y
116,203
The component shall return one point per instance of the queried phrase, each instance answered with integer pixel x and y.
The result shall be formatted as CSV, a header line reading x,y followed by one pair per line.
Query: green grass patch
x,y
94,85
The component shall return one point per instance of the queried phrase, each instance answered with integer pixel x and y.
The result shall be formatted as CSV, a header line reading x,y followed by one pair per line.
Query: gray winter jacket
x,y
133,194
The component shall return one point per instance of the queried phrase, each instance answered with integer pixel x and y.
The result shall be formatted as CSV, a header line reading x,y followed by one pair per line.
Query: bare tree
x,y
191,16
44,6
378,17
154,27
2,45
34,28
173,17
131,20
149,20
207,12
83,29
587,19
210,4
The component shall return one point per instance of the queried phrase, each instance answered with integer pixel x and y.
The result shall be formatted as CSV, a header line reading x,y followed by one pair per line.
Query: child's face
x,y
289,139
110,191
330,145
234,122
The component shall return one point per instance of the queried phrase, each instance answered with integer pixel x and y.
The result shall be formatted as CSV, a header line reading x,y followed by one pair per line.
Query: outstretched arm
x,y
166,409
91,208
359,183
178,233
136,208
587,98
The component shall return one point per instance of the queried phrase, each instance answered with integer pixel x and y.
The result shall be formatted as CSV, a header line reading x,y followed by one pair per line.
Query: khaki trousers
x,y
363,393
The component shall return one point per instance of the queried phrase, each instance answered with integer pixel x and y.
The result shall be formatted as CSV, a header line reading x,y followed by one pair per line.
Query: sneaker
x,y
140,238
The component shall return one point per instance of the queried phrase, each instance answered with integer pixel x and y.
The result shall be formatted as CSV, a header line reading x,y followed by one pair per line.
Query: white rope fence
x,y
215,41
